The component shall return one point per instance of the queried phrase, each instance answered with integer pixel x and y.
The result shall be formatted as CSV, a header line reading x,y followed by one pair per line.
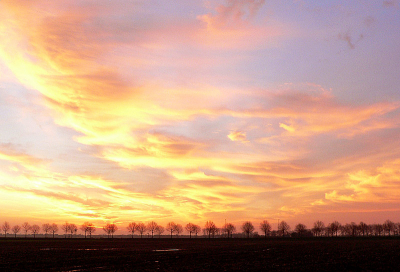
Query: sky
x,y
187,111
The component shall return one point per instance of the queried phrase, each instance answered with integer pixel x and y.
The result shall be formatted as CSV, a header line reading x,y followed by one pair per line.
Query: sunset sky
x,y
188,111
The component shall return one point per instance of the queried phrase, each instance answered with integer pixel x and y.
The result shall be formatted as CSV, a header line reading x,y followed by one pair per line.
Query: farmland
x,y
200,254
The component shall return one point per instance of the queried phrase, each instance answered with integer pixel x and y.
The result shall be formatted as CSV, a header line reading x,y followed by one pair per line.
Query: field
x,y
313,254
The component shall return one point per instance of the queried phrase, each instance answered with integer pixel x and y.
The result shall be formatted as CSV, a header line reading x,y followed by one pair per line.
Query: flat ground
x,y
323,254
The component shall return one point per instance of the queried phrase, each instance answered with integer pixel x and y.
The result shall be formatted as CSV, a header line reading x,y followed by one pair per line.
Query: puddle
x,y
80,249
167,250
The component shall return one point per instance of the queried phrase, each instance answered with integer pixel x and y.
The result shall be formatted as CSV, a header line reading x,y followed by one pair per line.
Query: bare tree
x,y
159,230
110,228
152,226
318,228
370,230
85,227
334,227
363,228
35,229
397,229
378,229
15,230
91,229
388,226
54,228
5,227
190,228
210,228
301,229
265,226
178,229
46,228
72,229
353,228
131,228
197,229
345,230
171,227
247,228
141,228
283,228
26,228
229,229
65,228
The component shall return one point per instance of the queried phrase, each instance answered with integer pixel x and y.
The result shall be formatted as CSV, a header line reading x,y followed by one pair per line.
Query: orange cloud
x,y
237,136
235,13
9,153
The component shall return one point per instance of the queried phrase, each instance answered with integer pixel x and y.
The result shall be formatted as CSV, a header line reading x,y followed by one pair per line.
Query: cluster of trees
x,y
362,229
211,230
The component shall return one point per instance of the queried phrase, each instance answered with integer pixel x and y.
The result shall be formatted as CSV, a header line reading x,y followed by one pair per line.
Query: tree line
x,y
210,229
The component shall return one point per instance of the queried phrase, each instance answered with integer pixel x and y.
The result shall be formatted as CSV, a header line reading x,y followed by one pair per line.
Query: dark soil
x,y
323,254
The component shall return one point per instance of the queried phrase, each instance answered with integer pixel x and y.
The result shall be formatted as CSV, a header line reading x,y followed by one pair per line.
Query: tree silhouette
x,y
345,229
190,228
265,227
83,228
110,228
210,228
283,228
171,227
370,230
229,229
363,228
378,229
72,229
46,228
301,229
91,229
197,229
247,228
152,226
178,229
54,228
35,229
26,228
388,226
87,228
318,228
334,227
159,230
141,228
65,228
131,228
15,230
5,227
353,229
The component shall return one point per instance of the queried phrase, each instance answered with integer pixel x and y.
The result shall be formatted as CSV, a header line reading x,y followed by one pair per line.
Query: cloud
x,y
346,37
232,15
391,3
234,26
9,152
365,187
237,136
